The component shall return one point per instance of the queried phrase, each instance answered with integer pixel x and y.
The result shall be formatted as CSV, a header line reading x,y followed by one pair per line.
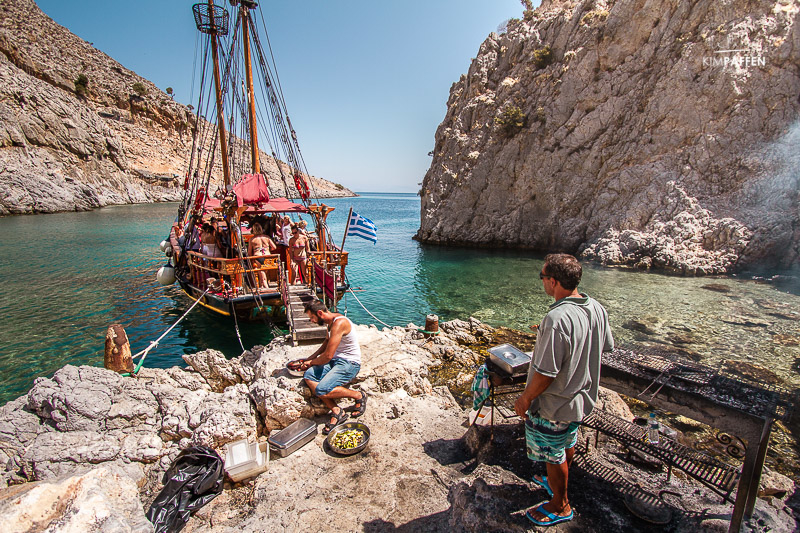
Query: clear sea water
x,y
64,278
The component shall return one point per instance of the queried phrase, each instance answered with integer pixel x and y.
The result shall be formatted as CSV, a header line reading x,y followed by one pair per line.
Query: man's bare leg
x,y
557,477
336,393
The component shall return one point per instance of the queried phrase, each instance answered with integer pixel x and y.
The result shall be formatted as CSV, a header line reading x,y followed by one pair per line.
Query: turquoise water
x,y
66,277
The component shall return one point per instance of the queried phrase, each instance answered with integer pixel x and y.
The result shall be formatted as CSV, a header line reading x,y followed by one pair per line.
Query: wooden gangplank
x,y
301,327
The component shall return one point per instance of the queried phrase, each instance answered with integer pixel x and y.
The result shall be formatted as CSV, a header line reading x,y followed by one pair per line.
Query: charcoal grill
x,y
751,397
736,404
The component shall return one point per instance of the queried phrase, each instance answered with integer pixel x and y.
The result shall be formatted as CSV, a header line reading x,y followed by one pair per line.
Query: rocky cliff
x,y
645,132
67,145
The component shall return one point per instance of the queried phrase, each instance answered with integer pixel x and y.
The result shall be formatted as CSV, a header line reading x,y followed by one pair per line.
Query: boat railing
x,y
330,258
237,272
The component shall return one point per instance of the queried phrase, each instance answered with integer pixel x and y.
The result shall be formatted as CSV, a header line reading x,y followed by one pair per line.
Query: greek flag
x,y
362,227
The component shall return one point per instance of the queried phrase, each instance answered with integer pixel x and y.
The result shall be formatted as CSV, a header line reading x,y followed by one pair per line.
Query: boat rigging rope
x,y
153,344
236,326
365,309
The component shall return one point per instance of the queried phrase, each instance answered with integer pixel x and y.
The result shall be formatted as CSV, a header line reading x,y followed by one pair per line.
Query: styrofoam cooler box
x,y
244,459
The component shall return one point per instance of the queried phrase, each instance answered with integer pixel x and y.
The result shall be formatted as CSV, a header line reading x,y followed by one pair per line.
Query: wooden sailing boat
x,y
225,279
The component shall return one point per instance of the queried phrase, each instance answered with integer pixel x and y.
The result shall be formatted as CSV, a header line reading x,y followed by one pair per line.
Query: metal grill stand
x,y
735,405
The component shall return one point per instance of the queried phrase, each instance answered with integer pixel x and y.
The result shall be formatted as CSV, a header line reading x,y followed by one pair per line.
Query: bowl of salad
x,y
348,438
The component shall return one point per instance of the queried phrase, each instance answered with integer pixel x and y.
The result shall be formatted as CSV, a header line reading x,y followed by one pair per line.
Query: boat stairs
x,y
301,327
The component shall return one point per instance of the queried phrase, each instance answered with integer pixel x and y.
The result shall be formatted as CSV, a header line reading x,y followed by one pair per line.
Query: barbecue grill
x,y
759,399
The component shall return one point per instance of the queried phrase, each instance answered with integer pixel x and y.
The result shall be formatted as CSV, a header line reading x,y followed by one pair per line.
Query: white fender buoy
x,y
165,245
166,275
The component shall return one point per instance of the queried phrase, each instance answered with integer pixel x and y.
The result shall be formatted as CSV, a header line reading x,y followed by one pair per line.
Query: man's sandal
x,y
362,405
541,481
341,417
552,519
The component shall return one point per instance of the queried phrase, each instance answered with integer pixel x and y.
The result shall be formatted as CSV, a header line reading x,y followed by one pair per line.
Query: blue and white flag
x,y
362,227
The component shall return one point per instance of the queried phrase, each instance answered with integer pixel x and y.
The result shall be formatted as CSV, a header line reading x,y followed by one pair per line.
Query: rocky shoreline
x,y
86,450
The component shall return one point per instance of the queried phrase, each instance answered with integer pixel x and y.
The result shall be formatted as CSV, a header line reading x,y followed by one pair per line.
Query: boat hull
x,y
266,305
248,307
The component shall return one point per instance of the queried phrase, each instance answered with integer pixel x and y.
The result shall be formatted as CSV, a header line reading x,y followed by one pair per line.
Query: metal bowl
x,y
294,373
342,427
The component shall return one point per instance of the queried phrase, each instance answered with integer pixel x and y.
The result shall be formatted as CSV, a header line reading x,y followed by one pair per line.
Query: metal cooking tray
x,y
510,359
293,437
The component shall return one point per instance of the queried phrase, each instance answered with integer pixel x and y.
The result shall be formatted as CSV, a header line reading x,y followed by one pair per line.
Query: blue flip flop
x,y
553,519
544,484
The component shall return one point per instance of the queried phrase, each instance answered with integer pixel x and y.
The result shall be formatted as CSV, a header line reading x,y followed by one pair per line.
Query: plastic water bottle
x,y
652,429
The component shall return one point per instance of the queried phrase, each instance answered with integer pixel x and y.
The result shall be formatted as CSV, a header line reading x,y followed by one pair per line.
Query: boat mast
x,y
223,143
244,10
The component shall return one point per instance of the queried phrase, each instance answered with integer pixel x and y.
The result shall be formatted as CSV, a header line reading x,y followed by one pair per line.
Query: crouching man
x,y
334,364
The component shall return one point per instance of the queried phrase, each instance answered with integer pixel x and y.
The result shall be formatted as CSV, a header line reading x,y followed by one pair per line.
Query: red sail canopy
x,y
275,205
252,189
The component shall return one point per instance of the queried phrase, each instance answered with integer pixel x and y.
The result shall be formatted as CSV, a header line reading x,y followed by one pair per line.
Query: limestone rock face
x,y
99,500
61,150
622,130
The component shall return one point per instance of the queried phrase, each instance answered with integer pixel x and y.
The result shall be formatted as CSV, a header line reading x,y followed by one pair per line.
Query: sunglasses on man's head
x,y
542,275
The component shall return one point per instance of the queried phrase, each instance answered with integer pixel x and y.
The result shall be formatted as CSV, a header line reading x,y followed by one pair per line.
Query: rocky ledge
x,y
86,450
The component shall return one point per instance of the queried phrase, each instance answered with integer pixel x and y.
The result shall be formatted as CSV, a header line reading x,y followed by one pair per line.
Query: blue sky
x,y
365,82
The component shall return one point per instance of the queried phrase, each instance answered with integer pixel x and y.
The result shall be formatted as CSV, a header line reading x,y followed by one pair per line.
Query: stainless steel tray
x,y
293,437
510,359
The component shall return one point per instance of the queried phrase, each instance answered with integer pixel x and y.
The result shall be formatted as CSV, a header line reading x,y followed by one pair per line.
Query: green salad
x,y
348,439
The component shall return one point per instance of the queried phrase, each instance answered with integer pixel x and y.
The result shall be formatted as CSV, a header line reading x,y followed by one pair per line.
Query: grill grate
x,y
723,385
715,473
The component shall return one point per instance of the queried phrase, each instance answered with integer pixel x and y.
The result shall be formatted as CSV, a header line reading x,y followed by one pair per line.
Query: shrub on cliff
x,y
527,15
81,85
139,88
511,120
542,57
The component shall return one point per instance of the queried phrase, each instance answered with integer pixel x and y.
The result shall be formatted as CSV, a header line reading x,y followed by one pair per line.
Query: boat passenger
x,y
298,251
286,230
311,236
334,364
260,245
222,240
209,239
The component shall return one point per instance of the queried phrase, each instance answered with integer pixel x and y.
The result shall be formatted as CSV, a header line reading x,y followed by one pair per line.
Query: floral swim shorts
x,y
547,440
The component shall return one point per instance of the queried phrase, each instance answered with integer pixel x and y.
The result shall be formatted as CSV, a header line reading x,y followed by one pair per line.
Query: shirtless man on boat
x,y
334,364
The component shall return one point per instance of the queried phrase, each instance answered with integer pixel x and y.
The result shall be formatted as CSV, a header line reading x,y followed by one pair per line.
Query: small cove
x,y
67,276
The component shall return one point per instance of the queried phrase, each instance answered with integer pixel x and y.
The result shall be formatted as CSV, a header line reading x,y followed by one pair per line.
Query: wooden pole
x,y
346,228
249,78
118,350
223,143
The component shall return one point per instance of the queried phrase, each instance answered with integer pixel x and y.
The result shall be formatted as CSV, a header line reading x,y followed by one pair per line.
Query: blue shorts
x,y
547,440
332,374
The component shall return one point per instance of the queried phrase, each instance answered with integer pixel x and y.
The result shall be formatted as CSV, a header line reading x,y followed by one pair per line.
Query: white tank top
x,y
348,348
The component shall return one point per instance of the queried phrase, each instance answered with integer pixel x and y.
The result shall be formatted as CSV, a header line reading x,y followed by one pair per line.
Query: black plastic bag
x,y
194,479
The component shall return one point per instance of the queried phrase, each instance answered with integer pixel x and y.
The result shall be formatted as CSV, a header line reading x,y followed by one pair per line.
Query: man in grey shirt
x,y
562,381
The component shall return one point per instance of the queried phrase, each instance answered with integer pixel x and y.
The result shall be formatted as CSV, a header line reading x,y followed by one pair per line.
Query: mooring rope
x,y
153,344
365,309
236,326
